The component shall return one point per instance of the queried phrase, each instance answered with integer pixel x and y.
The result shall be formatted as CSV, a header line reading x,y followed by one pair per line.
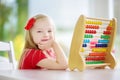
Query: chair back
x,y
8,47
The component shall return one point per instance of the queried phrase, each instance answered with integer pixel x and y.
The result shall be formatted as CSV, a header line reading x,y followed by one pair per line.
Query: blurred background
x,y
65,13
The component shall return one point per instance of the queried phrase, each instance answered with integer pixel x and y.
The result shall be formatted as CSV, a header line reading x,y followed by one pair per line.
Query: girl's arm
x,y
59,63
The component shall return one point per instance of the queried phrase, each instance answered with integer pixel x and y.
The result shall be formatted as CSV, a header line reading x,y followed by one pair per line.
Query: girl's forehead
x,y
43,23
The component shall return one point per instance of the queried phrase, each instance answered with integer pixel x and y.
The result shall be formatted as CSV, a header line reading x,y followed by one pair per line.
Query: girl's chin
x,y
44,43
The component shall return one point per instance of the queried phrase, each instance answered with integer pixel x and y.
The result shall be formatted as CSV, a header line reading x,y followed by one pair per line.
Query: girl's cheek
x,y
52,36
36,40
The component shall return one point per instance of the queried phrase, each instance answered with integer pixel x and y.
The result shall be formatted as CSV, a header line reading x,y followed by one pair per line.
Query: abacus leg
x,y
110,59
76,62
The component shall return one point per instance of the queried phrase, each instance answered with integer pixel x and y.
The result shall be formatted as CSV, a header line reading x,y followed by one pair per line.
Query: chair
x,y
8,47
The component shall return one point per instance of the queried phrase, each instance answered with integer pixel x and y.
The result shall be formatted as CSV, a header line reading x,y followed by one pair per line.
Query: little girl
x,y
41,51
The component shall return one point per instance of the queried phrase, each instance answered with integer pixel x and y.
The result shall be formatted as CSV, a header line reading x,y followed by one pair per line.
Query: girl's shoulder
x,y
31,50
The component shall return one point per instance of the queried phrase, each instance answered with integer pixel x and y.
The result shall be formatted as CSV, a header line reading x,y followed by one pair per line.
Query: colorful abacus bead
x,y
95,58
94,62
101,45
105,36
90,31
88,36
97,54
103,41
86,40
107,32
92,26
109,28
99,49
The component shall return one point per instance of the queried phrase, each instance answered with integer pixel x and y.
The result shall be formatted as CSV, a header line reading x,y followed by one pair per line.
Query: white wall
x,y
100,8
64,12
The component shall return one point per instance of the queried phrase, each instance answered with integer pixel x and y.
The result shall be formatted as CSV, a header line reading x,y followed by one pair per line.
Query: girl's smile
x,y
44,40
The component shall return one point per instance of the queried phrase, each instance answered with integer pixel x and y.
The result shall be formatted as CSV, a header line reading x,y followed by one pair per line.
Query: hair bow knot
x,y
30,24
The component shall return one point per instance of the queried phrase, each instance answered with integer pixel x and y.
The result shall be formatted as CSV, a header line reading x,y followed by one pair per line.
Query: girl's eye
x,y
49,31
39,31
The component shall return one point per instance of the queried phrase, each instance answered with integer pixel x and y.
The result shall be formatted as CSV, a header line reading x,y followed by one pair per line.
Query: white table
x,y
95,74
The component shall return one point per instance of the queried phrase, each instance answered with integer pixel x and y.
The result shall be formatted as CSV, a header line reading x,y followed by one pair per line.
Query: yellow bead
x,y
82,50
99,49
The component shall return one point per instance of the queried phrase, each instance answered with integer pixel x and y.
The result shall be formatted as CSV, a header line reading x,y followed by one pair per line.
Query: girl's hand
x,y
54,43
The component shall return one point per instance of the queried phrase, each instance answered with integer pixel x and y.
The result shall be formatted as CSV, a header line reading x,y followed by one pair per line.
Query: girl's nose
x,y
46,33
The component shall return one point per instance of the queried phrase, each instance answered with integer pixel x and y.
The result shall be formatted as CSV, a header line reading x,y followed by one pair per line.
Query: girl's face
x,y
42,32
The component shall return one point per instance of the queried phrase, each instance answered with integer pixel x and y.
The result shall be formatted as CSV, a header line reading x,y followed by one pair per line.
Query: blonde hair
x,y
29,43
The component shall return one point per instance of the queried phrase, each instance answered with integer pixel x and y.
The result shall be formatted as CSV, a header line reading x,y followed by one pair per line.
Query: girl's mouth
x,y
44,39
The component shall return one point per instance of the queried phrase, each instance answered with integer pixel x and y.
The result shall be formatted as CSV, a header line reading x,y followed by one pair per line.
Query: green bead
x,y
94,62
105,36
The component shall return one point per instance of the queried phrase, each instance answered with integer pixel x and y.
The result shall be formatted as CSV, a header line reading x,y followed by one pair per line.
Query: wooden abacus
x,y
92,43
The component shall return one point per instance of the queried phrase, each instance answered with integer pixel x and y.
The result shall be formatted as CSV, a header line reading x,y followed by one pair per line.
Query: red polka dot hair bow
x,y
30,24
